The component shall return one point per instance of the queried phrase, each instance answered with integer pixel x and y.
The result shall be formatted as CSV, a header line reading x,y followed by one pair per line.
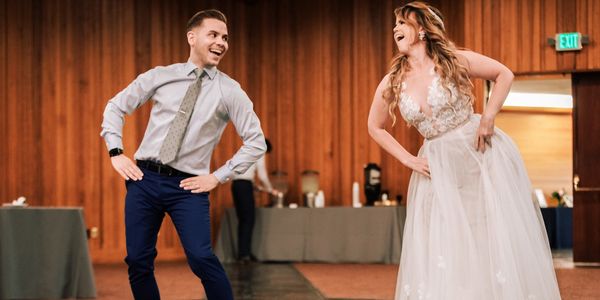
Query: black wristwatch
x,y
115,152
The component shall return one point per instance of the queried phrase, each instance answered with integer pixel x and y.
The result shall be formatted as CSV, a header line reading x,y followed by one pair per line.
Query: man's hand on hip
x,y
126,167
200,184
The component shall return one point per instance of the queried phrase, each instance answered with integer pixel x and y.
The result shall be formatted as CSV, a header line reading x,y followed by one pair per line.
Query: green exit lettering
x,y
568,41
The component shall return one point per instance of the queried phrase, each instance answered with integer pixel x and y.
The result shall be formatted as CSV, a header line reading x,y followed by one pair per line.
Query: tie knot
x,y
198,72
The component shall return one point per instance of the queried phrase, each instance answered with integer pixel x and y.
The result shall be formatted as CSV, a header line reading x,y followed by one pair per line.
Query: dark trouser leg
x,y
143,217
243,199
191,216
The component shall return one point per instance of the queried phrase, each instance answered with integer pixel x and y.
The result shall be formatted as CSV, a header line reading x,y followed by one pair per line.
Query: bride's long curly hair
x,y
439,48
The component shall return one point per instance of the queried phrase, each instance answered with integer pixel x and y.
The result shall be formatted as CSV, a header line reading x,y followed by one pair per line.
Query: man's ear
x,y
191,37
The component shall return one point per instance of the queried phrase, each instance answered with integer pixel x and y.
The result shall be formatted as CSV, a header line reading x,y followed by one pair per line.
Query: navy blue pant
x,y
146,203
243,199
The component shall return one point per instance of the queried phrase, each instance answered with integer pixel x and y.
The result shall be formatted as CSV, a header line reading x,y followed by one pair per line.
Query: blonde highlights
x,y
438,47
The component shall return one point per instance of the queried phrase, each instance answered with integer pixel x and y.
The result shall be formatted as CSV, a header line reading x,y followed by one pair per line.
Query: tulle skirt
x,y
472,230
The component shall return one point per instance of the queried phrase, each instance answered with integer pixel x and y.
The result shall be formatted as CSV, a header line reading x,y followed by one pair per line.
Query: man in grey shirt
x,y
192,103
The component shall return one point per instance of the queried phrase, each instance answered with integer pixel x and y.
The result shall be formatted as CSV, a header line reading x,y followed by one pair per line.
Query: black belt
x,y
162,169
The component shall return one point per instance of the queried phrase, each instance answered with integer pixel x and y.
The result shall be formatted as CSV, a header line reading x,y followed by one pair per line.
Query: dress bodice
x,y
449,108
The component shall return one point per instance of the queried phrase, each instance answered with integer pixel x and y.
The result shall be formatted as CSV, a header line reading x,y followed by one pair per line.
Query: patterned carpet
x,y
311,281
341,281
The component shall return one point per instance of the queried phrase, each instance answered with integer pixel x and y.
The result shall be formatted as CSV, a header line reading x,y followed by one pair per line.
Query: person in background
x,y
242,189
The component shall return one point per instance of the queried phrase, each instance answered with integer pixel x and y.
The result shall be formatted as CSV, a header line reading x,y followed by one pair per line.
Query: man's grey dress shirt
x,y
221,99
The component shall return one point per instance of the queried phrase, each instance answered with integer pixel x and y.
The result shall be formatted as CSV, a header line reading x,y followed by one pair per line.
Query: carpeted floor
x,y
347,281
351,281
313,281
177,282
175,279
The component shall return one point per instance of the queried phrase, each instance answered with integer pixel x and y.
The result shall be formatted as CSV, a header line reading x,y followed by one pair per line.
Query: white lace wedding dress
x,y
472,230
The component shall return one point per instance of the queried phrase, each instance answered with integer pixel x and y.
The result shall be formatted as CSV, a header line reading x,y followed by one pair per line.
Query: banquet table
x,y
331,234
44,254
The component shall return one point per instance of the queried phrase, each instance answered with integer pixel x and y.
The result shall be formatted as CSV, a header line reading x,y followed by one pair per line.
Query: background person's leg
x,y
243,198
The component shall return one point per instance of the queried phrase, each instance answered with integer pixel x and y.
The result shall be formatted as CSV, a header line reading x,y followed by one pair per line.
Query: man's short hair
x,y
197,19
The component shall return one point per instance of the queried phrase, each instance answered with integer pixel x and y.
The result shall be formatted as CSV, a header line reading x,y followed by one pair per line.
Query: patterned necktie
x,y
172,143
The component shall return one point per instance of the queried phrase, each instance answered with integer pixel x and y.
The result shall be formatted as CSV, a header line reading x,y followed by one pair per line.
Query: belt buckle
x,y
165,170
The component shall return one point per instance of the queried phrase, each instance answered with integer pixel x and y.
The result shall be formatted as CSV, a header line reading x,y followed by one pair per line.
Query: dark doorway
x,y
586,167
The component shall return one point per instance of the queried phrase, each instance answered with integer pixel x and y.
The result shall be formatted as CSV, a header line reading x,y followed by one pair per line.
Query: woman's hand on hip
x,y
483,138
419,165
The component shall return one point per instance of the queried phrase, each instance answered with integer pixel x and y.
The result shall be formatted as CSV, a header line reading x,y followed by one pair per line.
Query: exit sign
x,y
570,41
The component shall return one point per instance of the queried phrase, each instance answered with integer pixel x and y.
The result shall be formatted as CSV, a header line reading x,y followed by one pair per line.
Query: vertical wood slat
x,y
594,31
550,29
580,22
538,42
23,127
4,100
524,43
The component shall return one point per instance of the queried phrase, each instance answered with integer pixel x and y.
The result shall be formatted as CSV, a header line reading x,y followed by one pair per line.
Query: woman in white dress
x,y
472,230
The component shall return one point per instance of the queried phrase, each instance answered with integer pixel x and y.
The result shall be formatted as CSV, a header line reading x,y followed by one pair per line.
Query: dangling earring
x,y
421,35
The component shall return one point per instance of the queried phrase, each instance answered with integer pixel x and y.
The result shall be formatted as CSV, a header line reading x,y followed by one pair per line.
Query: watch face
x,y
115,152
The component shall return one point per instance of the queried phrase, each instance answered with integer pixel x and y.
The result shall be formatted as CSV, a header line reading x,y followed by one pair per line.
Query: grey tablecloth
x,y
44,254
333,234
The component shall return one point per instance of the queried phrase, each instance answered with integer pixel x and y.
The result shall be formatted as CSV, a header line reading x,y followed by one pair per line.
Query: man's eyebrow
x,y
214,31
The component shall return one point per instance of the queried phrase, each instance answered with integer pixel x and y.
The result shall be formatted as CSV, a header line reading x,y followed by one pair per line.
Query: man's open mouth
x,y
216,52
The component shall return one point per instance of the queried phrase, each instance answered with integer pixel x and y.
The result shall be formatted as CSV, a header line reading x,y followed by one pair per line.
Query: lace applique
x,y
441,262
406,289
449,109
500,277
421,291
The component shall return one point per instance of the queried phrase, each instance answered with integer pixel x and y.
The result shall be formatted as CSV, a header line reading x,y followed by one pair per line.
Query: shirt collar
x,y
189,68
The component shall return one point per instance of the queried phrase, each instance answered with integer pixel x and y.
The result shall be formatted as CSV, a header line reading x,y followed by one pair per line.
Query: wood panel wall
x,y
516,32
309,66
545,141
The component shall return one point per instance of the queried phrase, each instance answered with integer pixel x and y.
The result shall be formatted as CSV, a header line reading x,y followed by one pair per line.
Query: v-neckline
x,y
409,97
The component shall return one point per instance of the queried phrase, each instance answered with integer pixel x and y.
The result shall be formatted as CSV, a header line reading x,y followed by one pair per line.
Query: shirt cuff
x,y
113,141
223,174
